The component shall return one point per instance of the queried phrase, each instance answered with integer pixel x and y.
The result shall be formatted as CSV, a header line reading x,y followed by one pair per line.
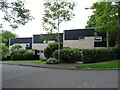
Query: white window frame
x,y
99,38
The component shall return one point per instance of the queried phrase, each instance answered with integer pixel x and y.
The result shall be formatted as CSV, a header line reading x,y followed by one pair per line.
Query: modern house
x,y
83,38
76,38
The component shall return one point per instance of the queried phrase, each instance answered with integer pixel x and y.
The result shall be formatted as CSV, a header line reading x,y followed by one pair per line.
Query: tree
x,y
5,35
15,13
17,49
106,17
3,51
56,12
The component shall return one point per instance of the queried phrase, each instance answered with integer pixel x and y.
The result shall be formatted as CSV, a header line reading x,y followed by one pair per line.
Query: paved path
x,y
15,76
50,66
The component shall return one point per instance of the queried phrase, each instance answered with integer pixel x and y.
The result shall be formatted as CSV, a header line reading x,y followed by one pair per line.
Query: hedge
x,y
18,56
24,56
100,55
68,55
28,56
48,51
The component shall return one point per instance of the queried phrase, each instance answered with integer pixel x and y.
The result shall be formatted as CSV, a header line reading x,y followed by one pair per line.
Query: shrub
x,y
28,56
68,55
52,61
3,57
17,49
3,51
99,55
36,57
48,51
117,51
18,56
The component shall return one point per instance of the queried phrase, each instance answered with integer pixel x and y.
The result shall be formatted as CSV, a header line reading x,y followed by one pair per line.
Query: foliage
x,y
117,51
56,12
48,51
52,61
5,35
69,55
100,54
106,18
17,49
18,56
28,56
15,12
48,36
3,51
105,65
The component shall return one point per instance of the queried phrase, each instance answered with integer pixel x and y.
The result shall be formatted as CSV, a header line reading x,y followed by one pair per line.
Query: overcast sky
x,y
36,8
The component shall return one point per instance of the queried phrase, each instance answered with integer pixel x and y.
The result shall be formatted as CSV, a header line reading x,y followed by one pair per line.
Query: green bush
x,y
48,51
17,49
68,55
100,55
117,51
52,61
3,51
3,57
28,56
18,56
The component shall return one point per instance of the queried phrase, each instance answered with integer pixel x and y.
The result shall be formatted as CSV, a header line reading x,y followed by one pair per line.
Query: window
x,y
27,45
81,38
98,39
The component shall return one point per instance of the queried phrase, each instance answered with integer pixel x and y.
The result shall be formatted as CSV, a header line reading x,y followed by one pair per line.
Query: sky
x,y
36,8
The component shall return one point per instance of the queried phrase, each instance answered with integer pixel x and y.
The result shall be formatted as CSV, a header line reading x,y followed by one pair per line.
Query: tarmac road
x,y
14,76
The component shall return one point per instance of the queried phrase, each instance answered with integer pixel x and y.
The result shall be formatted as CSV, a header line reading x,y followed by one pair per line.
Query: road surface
x,y
14,76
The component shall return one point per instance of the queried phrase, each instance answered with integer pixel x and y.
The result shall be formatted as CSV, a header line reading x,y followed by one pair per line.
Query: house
x,y
26,43
34,44
83,38
76,38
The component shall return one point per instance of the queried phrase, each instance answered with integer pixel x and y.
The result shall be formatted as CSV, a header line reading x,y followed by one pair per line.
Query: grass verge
x,y
105,65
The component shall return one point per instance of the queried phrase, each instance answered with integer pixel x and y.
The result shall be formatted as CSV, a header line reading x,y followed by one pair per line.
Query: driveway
x,y
15,76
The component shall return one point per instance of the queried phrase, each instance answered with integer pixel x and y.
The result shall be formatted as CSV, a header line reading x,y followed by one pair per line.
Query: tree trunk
x,y
58,43
117,45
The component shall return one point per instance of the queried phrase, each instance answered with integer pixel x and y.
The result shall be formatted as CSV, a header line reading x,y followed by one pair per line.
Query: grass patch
x,y
27,61
106,65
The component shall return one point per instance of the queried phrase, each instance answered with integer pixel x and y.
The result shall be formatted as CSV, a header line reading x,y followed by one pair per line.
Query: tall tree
x,y
106,17
56,12
15,13
5,35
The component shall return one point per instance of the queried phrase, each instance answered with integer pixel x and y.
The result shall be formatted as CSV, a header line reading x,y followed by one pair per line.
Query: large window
x,y
81,38
98,38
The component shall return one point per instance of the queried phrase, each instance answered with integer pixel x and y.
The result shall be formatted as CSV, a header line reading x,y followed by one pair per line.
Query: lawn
x,y
105,65
27,61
